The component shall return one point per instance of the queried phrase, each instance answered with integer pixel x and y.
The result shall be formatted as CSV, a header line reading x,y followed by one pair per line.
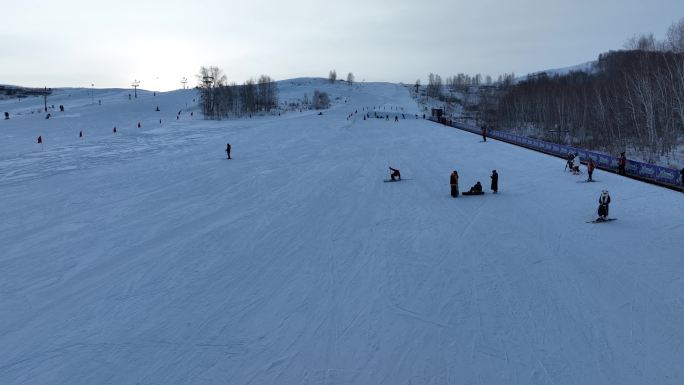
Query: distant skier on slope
x,y
228,150
622,164
484,133
495,181
453,181
590,169
576,164
604,202
568,163
395,174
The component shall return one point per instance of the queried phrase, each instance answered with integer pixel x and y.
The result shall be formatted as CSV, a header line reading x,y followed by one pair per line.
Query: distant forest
x,y
632,100
219,99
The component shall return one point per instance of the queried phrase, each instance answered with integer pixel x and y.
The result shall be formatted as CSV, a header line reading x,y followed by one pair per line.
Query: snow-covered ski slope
x,y
146,257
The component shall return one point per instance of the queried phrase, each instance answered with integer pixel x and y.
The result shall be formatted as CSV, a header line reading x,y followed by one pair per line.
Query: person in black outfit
x,y
228,150
568,164
453,181
6,115
475,190
484,133
395,174
622,163
495,181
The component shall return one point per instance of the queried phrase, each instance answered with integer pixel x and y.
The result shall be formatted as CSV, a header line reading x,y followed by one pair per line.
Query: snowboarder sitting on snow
x,y
604,202
475,190
395,174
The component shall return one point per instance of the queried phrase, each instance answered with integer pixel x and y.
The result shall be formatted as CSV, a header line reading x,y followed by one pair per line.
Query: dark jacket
x,y
495,181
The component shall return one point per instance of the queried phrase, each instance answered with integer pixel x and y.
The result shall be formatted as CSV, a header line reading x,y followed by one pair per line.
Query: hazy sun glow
x,y
78,42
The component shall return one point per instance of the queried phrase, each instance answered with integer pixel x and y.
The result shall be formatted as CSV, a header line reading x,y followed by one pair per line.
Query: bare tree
x,y
332,76
674,39
321,100
350,78
435,85
644,42
267,93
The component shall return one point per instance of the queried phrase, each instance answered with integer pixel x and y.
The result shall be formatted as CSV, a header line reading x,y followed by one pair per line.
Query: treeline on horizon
x,y
218,99
632,100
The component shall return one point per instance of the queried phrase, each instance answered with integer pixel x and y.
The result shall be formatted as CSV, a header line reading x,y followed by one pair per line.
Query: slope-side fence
x,y
662,176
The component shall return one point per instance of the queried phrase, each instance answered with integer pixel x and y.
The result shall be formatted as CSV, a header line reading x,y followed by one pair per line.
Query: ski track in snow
x,y
145,257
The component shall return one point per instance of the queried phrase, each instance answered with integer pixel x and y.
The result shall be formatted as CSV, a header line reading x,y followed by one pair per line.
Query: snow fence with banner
x,y
649,172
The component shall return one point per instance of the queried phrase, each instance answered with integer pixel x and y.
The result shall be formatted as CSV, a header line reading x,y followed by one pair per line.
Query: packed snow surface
x,y
146,257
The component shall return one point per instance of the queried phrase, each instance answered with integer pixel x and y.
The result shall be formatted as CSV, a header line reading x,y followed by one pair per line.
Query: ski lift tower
x,y
135,85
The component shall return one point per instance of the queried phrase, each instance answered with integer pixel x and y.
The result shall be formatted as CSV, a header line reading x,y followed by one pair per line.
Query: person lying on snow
x,y
475,190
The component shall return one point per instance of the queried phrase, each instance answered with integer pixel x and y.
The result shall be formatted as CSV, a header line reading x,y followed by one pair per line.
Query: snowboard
x,y
602,220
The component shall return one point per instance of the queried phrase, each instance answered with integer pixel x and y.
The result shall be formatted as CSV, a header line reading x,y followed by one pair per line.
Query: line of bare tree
x,y
219,99
633,100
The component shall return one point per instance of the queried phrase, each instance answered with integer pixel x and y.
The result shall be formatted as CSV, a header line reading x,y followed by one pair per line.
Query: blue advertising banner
x,y
642,170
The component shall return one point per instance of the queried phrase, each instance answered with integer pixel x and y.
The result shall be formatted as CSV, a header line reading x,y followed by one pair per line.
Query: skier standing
x,y
453,181
622,163
576,164
495,181
590,169
228,150
484,133
568,164
604,202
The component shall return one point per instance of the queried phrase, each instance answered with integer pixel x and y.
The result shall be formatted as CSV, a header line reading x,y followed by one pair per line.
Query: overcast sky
x,y
110,43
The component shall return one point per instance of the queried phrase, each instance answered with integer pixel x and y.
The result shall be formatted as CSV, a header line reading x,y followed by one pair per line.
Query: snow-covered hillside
x,y
589,67
147,257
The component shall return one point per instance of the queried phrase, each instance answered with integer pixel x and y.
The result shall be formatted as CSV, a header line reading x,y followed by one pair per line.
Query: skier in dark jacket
x,y
604,202
590,169
453,181
568,164
495,181
395,174
484,133
622,163
228,150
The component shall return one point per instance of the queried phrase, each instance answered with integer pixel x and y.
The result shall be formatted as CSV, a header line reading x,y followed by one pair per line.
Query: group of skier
x,y
476,189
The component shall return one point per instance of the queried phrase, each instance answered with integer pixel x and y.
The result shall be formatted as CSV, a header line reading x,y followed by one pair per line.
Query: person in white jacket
x,y
576,164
